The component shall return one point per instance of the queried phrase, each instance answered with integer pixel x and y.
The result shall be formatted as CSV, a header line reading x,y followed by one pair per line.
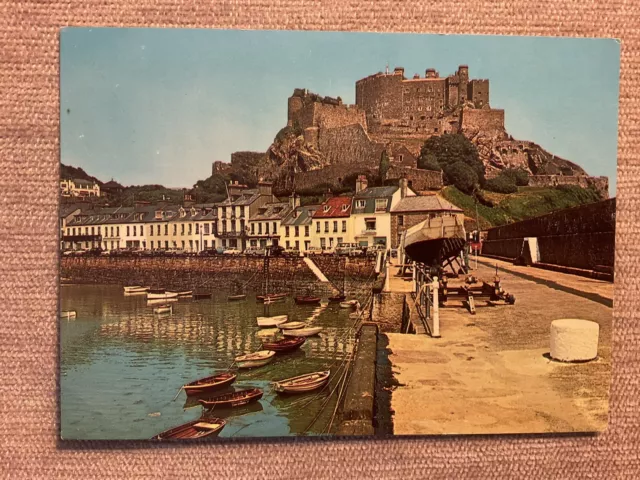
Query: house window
x,y
323,243
381,204
306,230
400,157
205,244
345,207
297,245
182,229
361,203
287,244
151,230
182,243
190,226
340,240
197,228
297,232
214,228
253,229
266,228
117,231
259,229
400,220
326,227
151,244
286,231
335,226
128,231
370,224
344,225
206,229
326,208
331,242
242,211
275,228
317,228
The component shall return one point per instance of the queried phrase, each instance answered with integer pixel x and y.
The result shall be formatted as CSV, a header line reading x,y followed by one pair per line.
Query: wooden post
x,y
436,309
387,271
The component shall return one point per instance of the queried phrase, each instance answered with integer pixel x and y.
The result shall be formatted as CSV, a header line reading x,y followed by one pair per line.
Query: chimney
x,y
265,188
403,187
361,183
294,200
328,194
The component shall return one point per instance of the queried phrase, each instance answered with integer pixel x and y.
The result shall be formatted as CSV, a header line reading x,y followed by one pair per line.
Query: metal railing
x,y
426,299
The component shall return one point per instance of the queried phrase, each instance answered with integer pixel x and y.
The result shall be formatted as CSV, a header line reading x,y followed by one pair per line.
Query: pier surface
x,y
491,373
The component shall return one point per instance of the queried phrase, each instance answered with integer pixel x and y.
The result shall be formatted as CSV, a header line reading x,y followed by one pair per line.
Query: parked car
x,y
255,251
291,252
209,252
314,251
275,250
231,251
328,250
349,249
374,249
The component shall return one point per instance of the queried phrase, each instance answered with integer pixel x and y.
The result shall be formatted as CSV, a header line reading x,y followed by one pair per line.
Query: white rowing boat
x,y
267,332
271,321
349,304
161,296
257,359
161,301
68,314
163,309
135,289
184,293
302,332
302,383
291,325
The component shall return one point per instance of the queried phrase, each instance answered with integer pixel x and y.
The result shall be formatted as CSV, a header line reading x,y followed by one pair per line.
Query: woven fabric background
x,y
28,253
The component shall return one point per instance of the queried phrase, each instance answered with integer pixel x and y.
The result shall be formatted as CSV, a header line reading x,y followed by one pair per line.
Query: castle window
x,y
400,157
423,118
406,90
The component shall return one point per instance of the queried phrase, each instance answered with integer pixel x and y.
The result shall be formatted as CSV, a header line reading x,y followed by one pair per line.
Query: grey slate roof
x,y
425,203
301,216
272,211
369,195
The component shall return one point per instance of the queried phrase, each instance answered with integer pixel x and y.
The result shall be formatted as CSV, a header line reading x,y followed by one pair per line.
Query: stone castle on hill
x,y
329,140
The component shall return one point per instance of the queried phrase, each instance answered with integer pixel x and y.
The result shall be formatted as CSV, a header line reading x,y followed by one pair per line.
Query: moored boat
x,y
132,290
436,239
284,345
302,383
161,296
236,298
271,321
302,332
132,287
256,359
196,429
163,309
291,325
349,304
201,295
307,300
183,293
68,314
271,297
161,301
234,399
337,298
268,332
209,384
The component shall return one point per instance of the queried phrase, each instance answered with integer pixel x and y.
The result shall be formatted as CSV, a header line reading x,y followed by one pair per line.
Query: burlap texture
x,y
28,253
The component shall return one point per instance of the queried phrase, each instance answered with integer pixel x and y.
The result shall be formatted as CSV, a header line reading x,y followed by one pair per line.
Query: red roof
x,y
333,207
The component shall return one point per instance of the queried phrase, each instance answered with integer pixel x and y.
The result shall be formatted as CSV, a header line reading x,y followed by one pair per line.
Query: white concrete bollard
x,y
574,340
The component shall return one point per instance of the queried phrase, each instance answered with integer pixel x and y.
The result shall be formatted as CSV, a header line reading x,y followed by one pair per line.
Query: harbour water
x,y
122,365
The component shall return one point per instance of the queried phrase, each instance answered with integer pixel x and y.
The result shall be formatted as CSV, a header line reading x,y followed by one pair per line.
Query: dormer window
x,y
381,204
183,213
193,212
326,208
360,203
345,207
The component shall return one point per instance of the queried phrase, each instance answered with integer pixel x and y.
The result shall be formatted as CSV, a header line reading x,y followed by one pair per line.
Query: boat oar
x,y
179,390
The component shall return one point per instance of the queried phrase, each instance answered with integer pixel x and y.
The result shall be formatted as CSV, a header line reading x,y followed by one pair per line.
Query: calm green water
x,y
121,365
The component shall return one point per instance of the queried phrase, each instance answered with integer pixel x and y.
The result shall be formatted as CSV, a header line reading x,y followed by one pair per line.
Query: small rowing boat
x,y
161,301
209,384
271,321
201,295
337,298
304,300
270,298
184,293
231,400
161,296
302,332
256,359
135,290
236,298
163,309
68,314
349,304
284,345
291,325
201,428
132,288
302,383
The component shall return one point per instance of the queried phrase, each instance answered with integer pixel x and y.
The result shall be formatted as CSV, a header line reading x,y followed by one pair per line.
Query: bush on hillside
x,y
462,176
449,149
429,162
501,184
519,175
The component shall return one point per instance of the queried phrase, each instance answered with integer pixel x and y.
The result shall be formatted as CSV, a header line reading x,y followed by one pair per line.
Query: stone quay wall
x,y
218,273
581,237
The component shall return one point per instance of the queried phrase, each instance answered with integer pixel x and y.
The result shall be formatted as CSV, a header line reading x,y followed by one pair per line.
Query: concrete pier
x,y
491,372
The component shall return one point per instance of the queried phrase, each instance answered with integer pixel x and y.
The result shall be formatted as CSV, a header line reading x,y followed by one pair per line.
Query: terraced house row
x,y
253,218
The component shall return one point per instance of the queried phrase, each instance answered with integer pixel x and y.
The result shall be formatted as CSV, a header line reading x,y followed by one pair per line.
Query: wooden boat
x,y
201,295
163,309
234,399
161,296
305,300
197,429
184,293
349,304
302,332
302,383
157,290
209,384
291,325
136,289
271,321
235,298
272,297
436,239
131,287
284,345
268,332
256,359
337,298
161,301
68,314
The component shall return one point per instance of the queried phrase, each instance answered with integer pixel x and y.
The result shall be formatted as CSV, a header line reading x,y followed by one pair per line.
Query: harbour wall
x,y
187,273
581,238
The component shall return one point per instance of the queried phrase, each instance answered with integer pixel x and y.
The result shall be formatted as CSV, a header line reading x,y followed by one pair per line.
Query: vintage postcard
x,y
272,233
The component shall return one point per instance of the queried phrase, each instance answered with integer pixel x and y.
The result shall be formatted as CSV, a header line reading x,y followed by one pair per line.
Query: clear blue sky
x,y
160,105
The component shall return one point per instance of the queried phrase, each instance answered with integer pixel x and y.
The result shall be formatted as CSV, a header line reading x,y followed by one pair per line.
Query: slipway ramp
x,y
314,268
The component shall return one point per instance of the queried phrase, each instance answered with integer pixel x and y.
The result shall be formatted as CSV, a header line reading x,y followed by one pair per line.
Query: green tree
x,y
383,169
429,162
503,183
462,176
519,175
449,149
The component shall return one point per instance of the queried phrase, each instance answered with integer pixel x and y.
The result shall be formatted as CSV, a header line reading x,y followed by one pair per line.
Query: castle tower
x,y
463,75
